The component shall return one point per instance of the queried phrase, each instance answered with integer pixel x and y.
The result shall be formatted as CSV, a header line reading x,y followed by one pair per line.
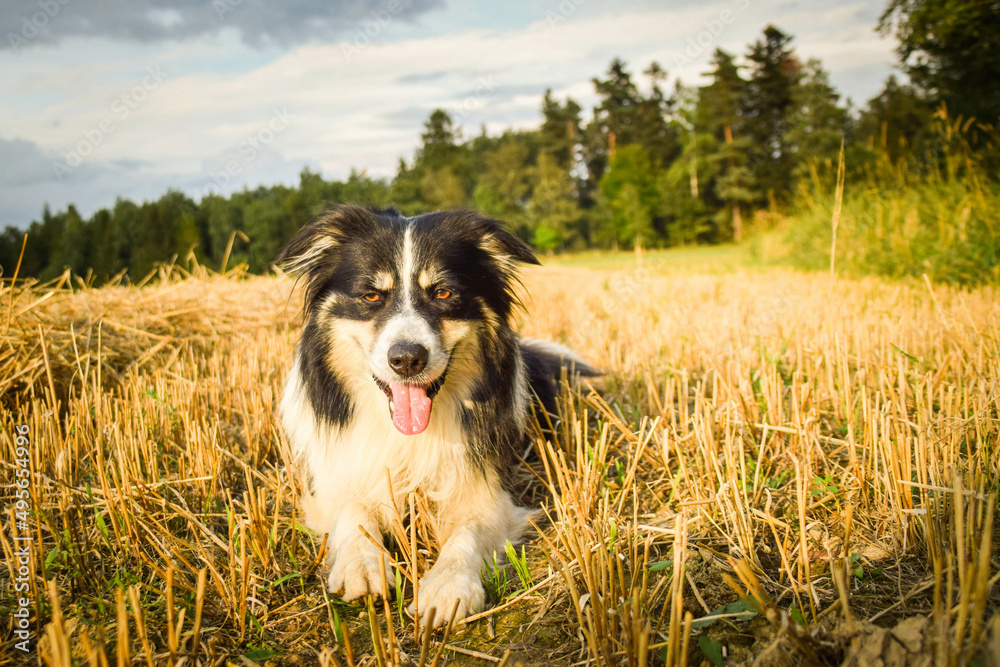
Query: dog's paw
x,y
355,571
442,588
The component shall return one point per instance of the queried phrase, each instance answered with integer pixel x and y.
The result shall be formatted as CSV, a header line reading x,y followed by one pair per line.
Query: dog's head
x,y
407,293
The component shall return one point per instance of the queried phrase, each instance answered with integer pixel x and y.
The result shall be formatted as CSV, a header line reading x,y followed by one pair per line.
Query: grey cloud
x,y
25,174
26,23
28,182
423,77
406,116
23,164
499,91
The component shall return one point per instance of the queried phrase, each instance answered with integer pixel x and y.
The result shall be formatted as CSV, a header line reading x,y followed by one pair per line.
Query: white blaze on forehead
x,y
408,325
409,262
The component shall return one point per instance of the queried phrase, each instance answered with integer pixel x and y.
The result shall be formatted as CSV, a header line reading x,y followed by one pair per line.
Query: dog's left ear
x,y
502,245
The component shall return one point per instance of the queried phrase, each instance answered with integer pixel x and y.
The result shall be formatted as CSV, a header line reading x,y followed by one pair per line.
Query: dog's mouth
x,y
410,404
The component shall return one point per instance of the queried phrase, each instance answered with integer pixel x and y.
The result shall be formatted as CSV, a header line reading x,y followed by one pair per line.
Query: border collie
x,y
408,370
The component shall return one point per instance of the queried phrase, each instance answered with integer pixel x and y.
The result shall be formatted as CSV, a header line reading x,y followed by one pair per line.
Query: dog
x,y
409,378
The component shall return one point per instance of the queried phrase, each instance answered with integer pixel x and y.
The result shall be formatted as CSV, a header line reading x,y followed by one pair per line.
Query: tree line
x,y
646,167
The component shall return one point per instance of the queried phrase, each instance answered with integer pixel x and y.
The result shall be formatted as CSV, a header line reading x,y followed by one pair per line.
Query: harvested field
x,y
778,468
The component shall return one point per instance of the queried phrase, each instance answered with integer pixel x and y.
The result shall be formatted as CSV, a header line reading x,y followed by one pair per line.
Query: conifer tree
x,y
767,107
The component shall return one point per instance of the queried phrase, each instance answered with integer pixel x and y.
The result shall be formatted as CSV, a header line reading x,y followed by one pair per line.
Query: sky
x,y
102,99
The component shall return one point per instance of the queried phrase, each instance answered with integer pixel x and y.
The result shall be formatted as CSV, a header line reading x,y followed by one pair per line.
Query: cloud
x,y
28,180
260,23
421,77
22,163
362,108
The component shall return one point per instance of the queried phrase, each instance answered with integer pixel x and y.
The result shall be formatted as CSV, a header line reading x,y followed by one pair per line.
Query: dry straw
x,y
829,449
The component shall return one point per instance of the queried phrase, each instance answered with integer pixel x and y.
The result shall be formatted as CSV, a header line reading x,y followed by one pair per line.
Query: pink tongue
x,y
411,408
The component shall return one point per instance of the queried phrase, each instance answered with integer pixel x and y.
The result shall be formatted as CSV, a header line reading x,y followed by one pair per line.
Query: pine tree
x,y
127,222
104,255
439,177
685,201
561,133
50,238
438,142
728,183
659,136
75,247
615,120
265,223
767,106
10,251
817,124
719,104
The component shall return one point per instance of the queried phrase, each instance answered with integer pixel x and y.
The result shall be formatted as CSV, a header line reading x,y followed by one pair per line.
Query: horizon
x,y
133,103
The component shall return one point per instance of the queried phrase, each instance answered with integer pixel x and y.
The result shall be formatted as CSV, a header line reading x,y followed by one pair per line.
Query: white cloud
x,y
365,108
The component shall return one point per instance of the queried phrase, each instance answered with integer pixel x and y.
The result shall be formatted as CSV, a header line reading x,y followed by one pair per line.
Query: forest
x,y
754,151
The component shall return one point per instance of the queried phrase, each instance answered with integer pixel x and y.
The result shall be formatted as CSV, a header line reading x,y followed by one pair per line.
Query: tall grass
x,y
777,467
935,211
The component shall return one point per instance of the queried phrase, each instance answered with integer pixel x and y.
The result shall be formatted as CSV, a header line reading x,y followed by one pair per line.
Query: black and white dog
x,y
408,370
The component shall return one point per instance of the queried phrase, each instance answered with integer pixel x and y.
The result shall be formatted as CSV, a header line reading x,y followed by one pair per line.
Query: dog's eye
x,y
442,293
373,297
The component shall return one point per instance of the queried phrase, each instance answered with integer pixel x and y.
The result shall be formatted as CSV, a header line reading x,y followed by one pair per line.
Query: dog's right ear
x,y
315,245
312,252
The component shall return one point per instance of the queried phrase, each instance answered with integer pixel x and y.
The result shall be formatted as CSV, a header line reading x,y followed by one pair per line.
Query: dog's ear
x,y
309,246
316,243
313,252
502,245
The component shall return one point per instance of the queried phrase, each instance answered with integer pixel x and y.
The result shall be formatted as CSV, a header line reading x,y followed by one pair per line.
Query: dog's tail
x,y
544,362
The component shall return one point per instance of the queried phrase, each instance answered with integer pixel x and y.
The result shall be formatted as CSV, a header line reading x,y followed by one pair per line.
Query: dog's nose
x,y
407,358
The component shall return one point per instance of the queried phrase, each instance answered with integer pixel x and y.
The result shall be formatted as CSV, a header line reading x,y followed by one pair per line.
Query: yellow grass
x,y
826,450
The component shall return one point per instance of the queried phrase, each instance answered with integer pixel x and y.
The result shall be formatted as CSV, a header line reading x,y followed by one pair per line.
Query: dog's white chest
x,y
366,455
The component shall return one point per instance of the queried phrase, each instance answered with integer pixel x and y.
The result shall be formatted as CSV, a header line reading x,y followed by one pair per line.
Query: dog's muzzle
x,y
410,404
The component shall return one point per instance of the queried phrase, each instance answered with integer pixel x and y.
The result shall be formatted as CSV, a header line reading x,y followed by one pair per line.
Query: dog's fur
x,y
376,284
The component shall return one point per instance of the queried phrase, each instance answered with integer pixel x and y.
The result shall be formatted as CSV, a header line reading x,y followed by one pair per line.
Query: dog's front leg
x,y
473,528
354,558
